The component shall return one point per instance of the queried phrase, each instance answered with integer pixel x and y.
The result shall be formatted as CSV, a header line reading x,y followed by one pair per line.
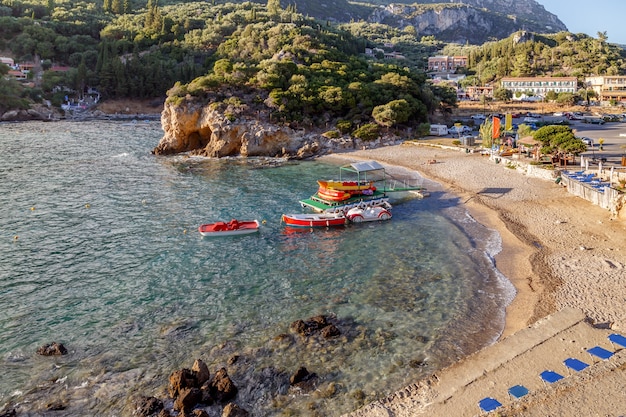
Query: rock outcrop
x,y
52,349
206,131
202,129
36,112
473,21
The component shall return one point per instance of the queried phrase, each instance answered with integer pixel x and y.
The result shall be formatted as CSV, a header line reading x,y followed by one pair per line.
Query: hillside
x,y
138,50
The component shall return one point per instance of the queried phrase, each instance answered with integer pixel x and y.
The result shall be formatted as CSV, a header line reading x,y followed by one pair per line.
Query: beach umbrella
x,y
611,176
586,164
582,161
599,168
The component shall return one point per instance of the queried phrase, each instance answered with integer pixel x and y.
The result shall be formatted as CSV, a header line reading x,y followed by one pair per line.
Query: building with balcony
x,y
608,88
475,93
539,86
445,63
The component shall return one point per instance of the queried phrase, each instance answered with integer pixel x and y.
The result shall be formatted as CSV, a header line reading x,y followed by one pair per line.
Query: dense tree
x,y
559,139
502,94
392,113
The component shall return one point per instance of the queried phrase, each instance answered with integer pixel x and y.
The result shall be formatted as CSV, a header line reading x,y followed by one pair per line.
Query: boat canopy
x,y
365,166
361,169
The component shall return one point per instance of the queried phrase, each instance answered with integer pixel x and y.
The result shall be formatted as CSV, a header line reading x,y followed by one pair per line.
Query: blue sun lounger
x,y
599,352
575,364
488,404
551,376
518,391
617,339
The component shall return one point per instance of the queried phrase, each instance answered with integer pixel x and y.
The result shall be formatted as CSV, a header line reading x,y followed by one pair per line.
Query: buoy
x,y
184,231
87,205
264,221
16,237
143,201
32,208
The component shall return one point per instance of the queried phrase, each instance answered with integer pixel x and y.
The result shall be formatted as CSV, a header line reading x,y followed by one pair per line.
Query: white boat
x,y
314,219
368,214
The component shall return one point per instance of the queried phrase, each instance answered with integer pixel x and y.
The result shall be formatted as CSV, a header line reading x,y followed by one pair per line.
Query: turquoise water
x,y
100,251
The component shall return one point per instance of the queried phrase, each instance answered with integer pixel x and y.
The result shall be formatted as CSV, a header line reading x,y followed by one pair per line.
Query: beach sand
x,y
562,253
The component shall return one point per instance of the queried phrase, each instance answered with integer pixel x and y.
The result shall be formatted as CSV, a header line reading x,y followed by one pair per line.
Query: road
x,y
614,146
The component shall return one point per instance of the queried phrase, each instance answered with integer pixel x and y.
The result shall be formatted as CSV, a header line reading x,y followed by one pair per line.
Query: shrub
x,y
344,126
367,132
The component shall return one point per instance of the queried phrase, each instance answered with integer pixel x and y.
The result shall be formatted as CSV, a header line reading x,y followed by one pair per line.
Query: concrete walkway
x,y
516,360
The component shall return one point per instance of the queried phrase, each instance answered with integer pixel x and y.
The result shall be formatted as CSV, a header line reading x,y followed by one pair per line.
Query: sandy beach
x,y
561,252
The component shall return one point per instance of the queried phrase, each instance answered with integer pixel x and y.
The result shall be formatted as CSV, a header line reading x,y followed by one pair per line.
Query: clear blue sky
x,y
591,17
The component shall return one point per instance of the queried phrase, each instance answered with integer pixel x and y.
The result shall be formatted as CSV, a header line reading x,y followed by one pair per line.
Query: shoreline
x,y
555,246
559,251
514,258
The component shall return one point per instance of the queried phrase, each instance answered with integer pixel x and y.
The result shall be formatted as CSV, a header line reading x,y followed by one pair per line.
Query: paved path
x,y
516,360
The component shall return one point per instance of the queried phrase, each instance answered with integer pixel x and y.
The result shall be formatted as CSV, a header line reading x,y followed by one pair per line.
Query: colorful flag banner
x,y
496,128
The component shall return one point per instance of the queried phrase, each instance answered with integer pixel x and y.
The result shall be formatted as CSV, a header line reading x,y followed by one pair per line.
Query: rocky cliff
x,y
473,21
201,129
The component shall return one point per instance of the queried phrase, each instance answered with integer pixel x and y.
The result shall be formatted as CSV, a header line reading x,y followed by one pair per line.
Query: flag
x,y
496,128
508,124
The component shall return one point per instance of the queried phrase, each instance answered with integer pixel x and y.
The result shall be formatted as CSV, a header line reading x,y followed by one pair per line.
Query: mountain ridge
x,y
467,21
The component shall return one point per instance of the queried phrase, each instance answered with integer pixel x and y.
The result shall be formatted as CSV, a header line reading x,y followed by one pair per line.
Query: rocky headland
x,y
205,129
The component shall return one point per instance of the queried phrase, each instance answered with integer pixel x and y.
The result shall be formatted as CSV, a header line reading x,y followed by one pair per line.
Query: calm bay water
x,y
100,251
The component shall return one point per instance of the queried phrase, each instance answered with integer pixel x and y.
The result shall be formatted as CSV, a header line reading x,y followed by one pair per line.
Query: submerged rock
x,y
315,325
52,349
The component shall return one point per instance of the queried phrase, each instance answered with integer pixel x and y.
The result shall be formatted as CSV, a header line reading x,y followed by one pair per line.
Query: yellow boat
x,y
346,185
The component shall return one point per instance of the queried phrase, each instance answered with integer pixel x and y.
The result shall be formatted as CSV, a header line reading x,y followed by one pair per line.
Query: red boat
x,y
233,227
314,219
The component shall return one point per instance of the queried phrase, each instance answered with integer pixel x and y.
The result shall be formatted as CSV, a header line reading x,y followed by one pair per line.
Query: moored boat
x,y
346,185
314,219
233,227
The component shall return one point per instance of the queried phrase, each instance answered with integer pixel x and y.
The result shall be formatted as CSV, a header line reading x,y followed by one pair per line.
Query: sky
x,y
591,17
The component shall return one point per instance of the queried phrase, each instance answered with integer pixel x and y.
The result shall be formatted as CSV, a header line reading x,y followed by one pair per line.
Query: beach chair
x,y
518,391
550,377
575,364
617,339
599,352
488,404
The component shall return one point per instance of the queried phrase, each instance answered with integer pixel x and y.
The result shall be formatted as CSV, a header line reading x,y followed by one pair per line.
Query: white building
x,y
539,86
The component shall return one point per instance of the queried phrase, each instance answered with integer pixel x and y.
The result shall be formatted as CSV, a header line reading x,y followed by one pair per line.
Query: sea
x,y
100,251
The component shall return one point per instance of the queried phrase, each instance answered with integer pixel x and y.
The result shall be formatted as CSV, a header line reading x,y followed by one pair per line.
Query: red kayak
x,y
314,220
233,227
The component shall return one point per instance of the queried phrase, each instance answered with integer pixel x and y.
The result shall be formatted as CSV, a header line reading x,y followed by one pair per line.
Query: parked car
x,y
531,120
460,130
478,117
587,141
594,120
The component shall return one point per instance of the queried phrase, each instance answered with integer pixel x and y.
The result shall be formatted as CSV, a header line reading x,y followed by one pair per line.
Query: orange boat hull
x,y
333,195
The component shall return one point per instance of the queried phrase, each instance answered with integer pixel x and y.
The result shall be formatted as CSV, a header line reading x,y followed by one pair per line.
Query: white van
x,y
438,130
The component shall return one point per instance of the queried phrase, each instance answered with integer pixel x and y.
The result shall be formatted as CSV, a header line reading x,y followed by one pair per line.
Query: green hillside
x,y
310,68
